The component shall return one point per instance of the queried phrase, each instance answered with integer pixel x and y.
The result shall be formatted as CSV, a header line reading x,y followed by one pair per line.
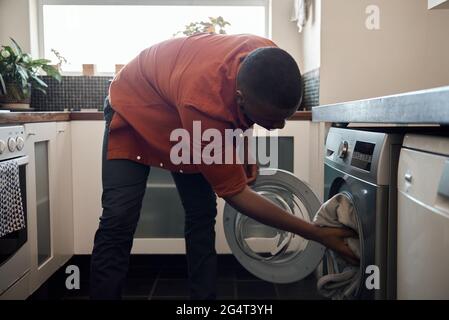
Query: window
x,y
112,32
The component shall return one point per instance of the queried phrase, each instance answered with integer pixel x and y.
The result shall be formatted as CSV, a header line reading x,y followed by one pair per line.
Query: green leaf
x,y
23,75
39,62
40,83
52,72
41,90
2,85
16,47
16,93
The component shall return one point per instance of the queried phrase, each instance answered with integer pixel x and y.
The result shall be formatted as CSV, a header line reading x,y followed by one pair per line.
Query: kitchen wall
x,y
18,19
409,52
284,32
310,38
304,46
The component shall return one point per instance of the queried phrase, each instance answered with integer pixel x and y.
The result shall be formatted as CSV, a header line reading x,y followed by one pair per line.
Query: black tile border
x,y
311,86
72,93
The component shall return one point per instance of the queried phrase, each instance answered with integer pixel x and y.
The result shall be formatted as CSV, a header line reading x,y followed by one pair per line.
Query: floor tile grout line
x,y
235,284
276,290
153,288
172,297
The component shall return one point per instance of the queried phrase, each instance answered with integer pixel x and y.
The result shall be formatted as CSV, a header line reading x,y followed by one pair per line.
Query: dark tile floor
x,y
164,277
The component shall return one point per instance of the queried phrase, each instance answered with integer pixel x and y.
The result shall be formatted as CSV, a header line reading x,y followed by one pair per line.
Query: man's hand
x,y
333,238
252,171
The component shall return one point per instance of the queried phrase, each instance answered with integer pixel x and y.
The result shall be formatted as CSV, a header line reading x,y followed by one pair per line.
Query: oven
x,y
14,247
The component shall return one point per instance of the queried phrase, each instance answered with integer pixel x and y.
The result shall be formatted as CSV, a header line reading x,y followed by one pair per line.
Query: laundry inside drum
x,y
267,243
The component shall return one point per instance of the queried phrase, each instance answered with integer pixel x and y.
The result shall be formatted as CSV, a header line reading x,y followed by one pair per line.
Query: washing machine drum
x,y
268,253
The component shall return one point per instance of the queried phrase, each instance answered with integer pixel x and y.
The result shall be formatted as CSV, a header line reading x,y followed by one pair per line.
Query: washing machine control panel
x,y
362,156
343,149
367,155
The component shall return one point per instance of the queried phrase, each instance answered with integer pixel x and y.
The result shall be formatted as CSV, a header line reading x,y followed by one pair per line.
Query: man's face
x,y
264,115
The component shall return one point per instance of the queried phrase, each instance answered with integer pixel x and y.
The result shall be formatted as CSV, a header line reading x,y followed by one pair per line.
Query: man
x,y
222,82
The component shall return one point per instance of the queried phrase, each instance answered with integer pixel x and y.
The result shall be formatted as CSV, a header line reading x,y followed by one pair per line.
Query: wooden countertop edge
x,y
302,116
30,117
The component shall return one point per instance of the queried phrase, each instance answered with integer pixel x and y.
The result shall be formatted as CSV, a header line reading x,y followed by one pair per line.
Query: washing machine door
x,y
268,253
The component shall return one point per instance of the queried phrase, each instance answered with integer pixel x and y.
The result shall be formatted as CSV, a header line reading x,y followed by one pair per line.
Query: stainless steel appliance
x,y
362,164
14,247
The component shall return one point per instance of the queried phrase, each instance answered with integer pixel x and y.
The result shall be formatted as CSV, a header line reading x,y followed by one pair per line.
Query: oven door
x,y
268,253
14,248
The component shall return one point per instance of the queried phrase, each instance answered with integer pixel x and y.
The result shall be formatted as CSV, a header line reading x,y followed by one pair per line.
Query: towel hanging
x,y
12,217
299,13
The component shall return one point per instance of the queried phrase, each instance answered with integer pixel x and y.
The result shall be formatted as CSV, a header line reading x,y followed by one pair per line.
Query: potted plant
x,y
19,73
61,60
210,26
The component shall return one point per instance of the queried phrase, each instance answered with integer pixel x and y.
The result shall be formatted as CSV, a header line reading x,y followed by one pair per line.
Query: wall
x,y
18,19
284,32
304,46
408,53
310,37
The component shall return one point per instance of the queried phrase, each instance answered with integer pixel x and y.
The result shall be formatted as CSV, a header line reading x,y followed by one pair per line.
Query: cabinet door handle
x,y
31,134
408,177
61,131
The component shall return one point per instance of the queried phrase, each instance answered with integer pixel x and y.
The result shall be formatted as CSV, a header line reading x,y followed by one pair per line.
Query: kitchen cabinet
x,y
19,291
41,178
87,139
161,224
49,179
438,4
63,231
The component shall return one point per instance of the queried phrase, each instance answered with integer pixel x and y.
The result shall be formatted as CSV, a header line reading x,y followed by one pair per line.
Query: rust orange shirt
x,y
169,86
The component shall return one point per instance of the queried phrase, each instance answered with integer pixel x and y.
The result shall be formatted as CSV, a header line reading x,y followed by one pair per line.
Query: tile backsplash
x,y
73,93
311,82
88,92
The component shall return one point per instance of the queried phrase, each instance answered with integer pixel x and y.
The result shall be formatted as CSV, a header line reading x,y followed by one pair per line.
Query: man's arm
x,y
261,209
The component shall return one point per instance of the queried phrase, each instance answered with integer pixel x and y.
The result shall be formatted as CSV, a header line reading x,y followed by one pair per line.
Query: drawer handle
x,y
408,177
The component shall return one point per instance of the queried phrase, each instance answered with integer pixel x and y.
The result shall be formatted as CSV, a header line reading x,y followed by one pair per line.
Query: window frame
x,y
41,3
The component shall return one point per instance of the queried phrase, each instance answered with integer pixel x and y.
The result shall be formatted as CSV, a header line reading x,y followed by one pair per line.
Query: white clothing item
x,y
342,279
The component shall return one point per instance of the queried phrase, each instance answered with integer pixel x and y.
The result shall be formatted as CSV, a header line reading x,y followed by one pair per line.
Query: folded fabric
x,y
12,217
342,279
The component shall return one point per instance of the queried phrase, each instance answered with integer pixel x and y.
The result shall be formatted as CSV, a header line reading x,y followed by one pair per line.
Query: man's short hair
x,y
271,75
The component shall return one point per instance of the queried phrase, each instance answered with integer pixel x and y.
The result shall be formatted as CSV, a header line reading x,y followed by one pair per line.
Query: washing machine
x,y
360,163
423,218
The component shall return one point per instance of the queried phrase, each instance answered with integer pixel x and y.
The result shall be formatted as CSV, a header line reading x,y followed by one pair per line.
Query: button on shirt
x,y
170,86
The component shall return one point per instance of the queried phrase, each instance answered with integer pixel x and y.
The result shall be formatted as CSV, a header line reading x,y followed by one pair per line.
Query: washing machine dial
x,y
11,144
2,146
343,149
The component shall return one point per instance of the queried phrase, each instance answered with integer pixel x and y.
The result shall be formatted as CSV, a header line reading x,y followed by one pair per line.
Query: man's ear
x,y
239,98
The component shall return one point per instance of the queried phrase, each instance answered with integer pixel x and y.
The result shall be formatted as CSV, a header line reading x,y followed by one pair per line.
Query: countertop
x,y
35,116
420,107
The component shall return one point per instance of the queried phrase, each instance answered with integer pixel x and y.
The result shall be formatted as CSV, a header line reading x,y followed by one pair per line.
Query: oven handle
x,y
22,160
